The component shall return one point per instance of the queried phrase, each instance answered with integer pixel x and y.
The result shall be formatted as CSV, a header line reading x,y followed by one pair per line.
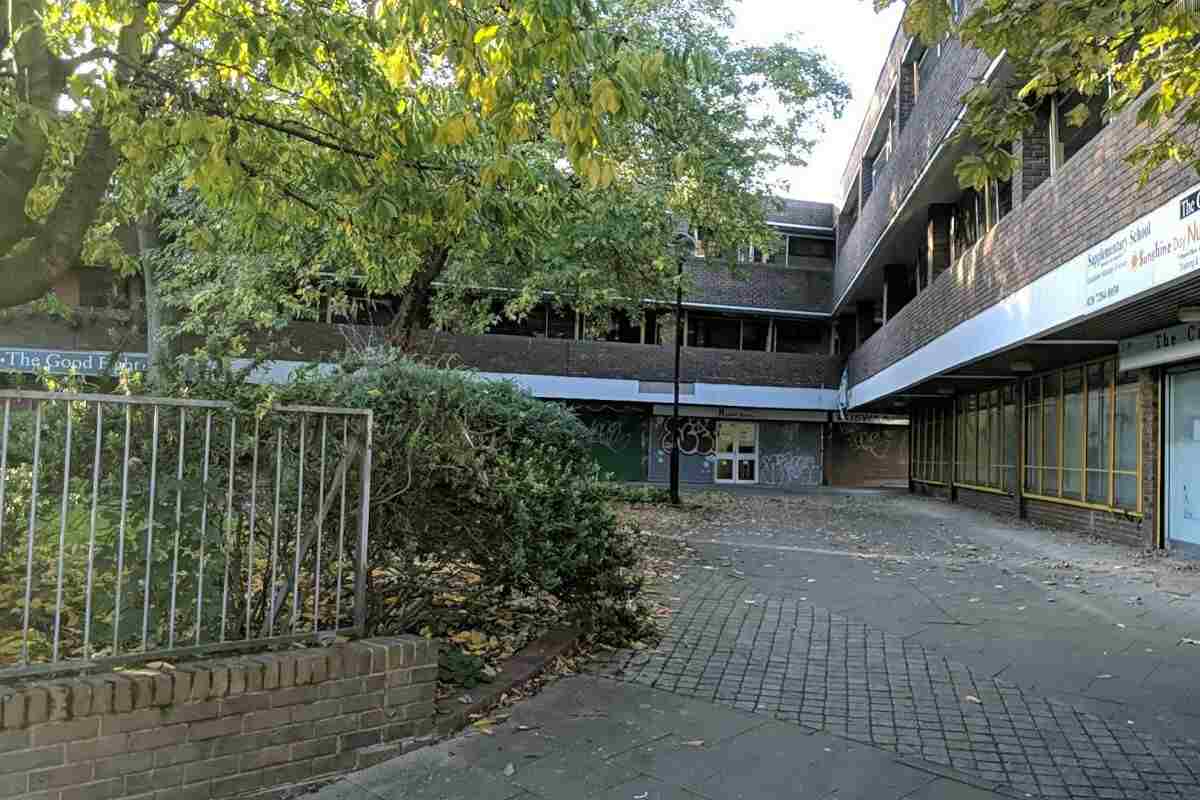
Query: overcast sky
x,y
855,39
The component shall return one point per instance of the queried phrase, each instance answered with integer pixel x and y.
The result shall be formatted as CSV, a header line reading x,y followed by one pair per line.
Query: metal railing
x,y
140,529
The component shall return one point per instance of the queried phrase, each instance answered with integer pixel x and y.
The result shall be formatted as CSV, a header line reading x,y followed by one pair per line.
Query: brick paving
x,y
782,656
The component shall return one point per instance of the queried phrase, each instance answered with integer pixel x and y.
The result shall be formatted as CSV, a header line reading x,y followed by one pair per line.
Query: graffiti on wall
x,y
610,434
697,437
876,442
794,468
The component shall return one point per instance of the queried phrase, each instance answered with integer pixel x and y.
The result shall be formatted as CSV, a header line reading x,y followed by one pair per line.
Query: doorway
x,y
1183,458
737,452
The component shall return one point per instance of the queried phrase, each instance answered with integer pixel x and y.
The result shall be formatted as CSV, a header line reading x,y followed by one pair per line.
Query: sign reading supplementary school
x,y
1152,251
63,362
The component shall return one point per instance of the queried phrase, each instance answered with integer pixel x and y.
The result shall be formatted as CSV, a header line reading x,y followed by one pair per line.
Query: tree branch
x,y
164,38
32,267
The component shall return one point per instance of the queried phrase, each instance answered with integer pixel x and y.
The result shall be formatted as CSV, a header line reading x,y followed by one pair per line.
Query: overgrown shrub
x,y
477,473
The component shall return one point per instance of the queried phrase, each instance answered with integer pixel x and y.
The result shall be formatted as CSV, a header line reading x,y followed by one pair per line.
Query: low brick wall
x,y
231,727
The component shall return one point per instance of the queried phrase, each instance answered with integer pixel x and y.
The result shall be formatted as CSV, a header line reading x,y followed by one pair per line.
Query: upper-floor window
x,y
1066,138
543,321
706,243
791,250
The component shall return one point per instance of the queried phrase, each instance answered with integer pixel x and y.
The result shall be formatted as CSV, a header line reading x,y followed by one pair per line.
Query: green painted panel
x,y
619,445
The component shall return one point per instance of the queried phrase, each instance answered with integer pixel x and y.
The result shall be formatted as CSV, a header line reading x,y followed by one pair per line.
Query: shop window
x,y
799,337
931,445
1088,447
1125,471
1072,439
1011,438
1051,392
987,429
1033,436
1098,455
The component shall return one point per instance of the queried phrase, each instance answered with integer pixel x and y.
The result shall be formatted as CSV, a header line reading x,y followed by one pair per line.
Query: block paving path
x,y
779,655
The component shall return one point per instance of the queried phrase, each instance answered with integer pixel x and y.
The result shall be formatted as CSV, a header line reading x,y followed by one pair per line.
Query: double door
x,y
737,452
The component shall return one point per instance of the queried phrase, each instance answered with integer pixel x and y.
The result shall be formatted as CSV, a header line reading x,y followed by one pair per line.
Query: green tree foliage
x,y
1121,52
392,143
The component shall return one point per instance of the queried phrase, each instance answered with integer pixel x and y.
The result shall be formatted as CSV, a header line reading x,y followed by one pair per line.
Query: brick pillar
x,y
900,291
906,94
937,240
1033,154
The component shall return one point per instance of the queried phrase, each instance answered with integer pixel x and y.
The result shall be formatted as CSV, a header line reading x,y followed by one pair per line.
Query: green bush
x,y
473,472
638,495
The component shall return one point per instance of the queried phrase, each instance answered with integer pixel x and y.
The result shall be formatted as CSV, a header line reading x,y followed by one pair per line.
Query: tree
x,y
1111,53
288,111
402,143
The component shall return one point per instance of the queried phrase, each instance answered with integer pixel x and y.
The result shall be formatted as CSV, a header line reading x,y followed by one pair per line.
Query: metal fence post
x,y
360,581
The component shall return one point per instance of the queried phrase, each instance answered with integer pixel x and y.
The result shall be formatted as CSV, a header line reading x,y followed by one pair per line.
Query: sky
x,y
855,39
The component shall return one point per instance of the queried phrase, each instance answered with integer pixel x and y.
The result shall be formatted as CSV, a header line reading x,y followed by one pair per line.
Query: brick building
x,y
760,369
1041,334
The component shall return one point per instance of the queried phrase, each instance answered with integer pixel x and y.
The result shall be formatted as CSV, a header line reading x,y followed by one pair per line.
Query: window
x,y
1066,139
542,321
799,337
706,244
987,443
800,249
1083,441
930,433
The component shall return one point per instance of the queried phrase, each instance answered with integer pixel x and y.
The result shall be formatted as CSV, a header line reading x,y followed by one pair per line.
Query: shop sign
x,y
871,419
63,362
1156,249
1170,345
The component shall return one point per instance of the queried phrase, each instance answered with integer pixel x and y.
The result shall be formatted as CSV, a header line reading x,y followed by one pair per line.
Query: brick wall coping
x,y
224,727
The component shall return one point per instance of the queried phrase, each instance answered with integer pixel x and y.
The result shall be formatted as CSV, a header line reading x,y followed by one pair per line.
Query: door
x,y
737,452
1183,458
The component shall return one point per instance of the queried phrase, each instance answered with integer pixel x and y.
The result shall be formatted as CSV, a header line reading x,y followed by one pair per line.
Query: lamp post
x,y
684,244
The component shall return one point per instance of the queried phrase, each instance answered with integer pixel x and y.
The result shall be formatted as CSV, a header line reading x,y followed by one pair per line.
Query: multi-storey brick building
x,y
1041,334
759,380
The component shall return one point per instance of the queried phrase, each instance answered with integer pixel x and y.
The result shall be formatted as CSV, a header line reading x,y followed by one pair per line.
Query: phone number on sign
x,y
1103,294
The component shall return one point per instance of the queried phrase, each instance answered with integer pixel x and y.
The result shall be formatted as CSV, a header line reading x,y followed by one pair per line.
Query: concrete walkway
x,y
589,737
864,645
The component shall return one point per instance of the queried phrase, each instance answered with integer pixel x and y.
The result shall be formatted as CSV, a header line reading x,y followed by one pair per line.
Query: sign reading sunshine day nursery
x,y
1159,247
64,362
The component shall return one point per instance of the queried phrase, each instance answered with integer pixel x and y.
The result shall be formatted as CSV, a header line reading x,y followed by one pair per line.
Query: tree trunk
x,y
413,314
158,345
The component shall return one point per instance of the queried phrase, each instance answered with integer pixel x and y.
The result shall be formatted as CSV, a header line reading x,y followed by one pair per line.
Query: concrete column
x,y
937,240
1033,154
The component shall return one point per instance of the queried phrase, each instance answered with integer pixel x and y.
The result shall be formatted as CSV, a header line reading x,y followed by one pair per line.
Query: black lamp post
x,y
684,245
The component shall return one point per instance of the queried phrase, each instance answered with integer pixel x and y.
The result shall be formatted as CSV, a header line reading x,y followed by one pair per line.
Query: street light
x,y
684,246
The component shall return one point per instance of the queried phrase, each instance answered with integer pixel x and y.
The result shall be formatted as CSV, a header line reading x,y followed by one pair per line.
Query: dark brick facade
x,y
1046,230
805,287
588,359
934,112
